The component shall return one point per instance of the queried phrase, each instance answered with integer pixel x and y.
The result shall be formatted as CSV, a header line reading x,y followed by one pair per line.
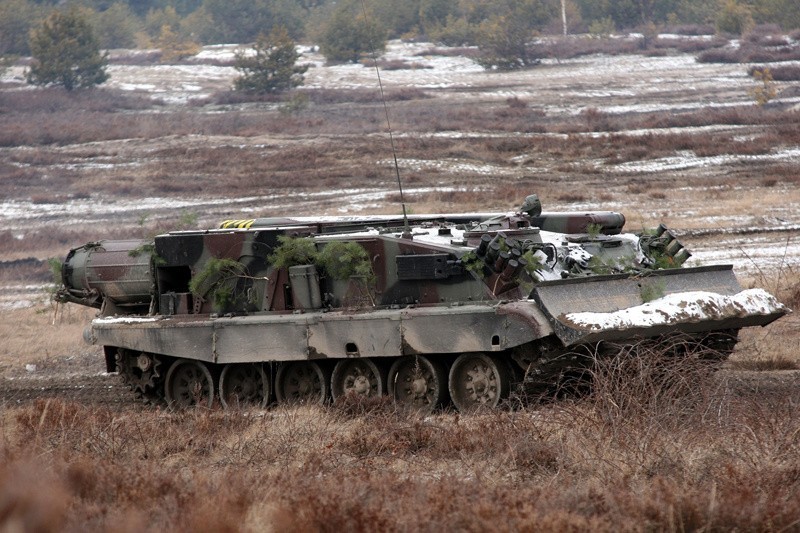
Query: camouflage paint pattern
x,y
442,286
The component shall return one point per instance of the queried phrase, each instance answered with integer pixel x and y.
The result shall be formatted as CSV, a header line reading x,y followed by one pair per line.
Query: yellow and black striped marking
x,y
237,224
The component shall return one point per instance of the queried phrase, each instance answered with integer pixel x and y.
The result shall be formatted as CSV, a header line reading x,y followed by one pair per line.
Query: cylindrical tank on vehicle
x,y
119,270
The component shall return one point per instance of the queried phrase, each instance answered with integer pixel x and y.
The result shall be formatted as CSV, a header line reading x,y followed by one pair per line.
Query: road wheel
x,y
418,383
478,380
244,385
189,383
302,382
357,376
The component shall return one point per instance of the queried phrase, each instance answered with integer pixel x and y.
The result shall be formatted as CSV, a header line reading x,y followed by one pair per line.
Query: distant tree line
x,y
129,23
66,53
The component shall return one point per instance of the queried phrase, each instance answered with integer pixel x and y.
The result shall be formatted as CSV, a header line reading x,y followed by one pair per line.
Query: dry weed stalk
x,y
659,443
777,346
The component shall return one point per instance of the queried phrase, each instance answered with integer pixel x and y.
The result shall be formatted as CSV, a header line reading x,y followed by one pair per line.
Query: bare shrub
x,y
655,52
38,199
516,103
653,374
697,45
458,197
239,97
397,64
381,437
779,73
353,404
54,99
767,35
749,53
789,292
568,48
691,29
135,57
770,55
455,51
337,96
28,269
43,243
652,430
510,192
596,120
406,93
572,198
638,188
213,61
703,117
510,144
783,173
719,55
321,96
14,173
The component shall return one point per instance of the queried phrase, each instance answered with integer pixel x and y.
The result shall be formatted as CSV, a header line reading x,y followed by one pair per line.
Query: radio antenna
x,y
407,230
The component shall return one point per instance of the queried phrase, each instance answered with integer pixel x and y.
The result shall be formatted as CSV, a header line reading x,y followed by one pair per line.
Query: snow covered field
x,y
717,202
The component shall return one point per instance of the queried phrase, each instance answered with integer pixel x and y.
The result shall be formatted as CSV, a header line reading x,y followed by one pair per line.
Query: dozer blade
x,y
622,307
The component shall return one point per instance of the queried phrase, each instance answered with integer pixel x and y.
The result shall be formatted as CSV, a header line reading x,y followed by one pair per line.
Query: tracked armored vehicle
x,y
428,309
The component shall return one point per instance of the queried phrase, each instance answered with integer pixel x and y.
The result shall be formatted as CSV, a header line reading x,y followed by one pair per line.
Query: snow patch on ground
x,y
447,165
688,159
23,296
17,215
219,52
172,83
755,255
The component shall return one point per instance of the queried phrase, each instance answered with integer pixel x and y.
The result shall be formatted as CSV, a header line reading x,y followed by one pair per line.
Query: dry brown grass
x,y
180,151
40,334
658,444
765,43
637,454
663,448
574,47
689,46
777,346
778,73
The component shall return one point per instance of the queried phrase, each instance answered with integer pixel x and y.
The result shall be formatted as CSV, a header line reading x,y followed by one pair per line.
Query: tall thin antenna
x,y
388,122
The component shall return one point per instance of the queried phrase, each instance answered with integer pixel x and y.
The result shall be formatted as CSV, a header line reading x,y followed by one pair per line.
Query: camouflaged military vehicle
x,y
429,309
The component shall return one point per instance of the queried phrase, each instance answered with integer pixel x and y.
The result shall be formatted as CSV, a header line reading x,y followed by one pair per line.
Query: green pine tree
x,y
503,42
174,47
66,53
346,35
504,37
271,67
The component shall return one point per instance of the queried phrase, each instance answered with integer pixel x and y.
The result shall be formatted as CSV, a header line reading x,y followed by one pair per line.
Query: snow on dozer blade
x,y
622,307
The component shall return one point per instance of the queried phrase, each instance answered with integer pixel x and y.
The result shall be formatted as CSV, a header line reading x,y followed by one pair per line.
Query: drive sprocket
x,y
142,373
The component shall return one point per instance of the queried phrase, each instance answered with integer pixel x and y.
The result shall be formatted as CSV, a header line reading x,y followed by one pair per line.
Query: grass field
x,y
675,451
655,446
